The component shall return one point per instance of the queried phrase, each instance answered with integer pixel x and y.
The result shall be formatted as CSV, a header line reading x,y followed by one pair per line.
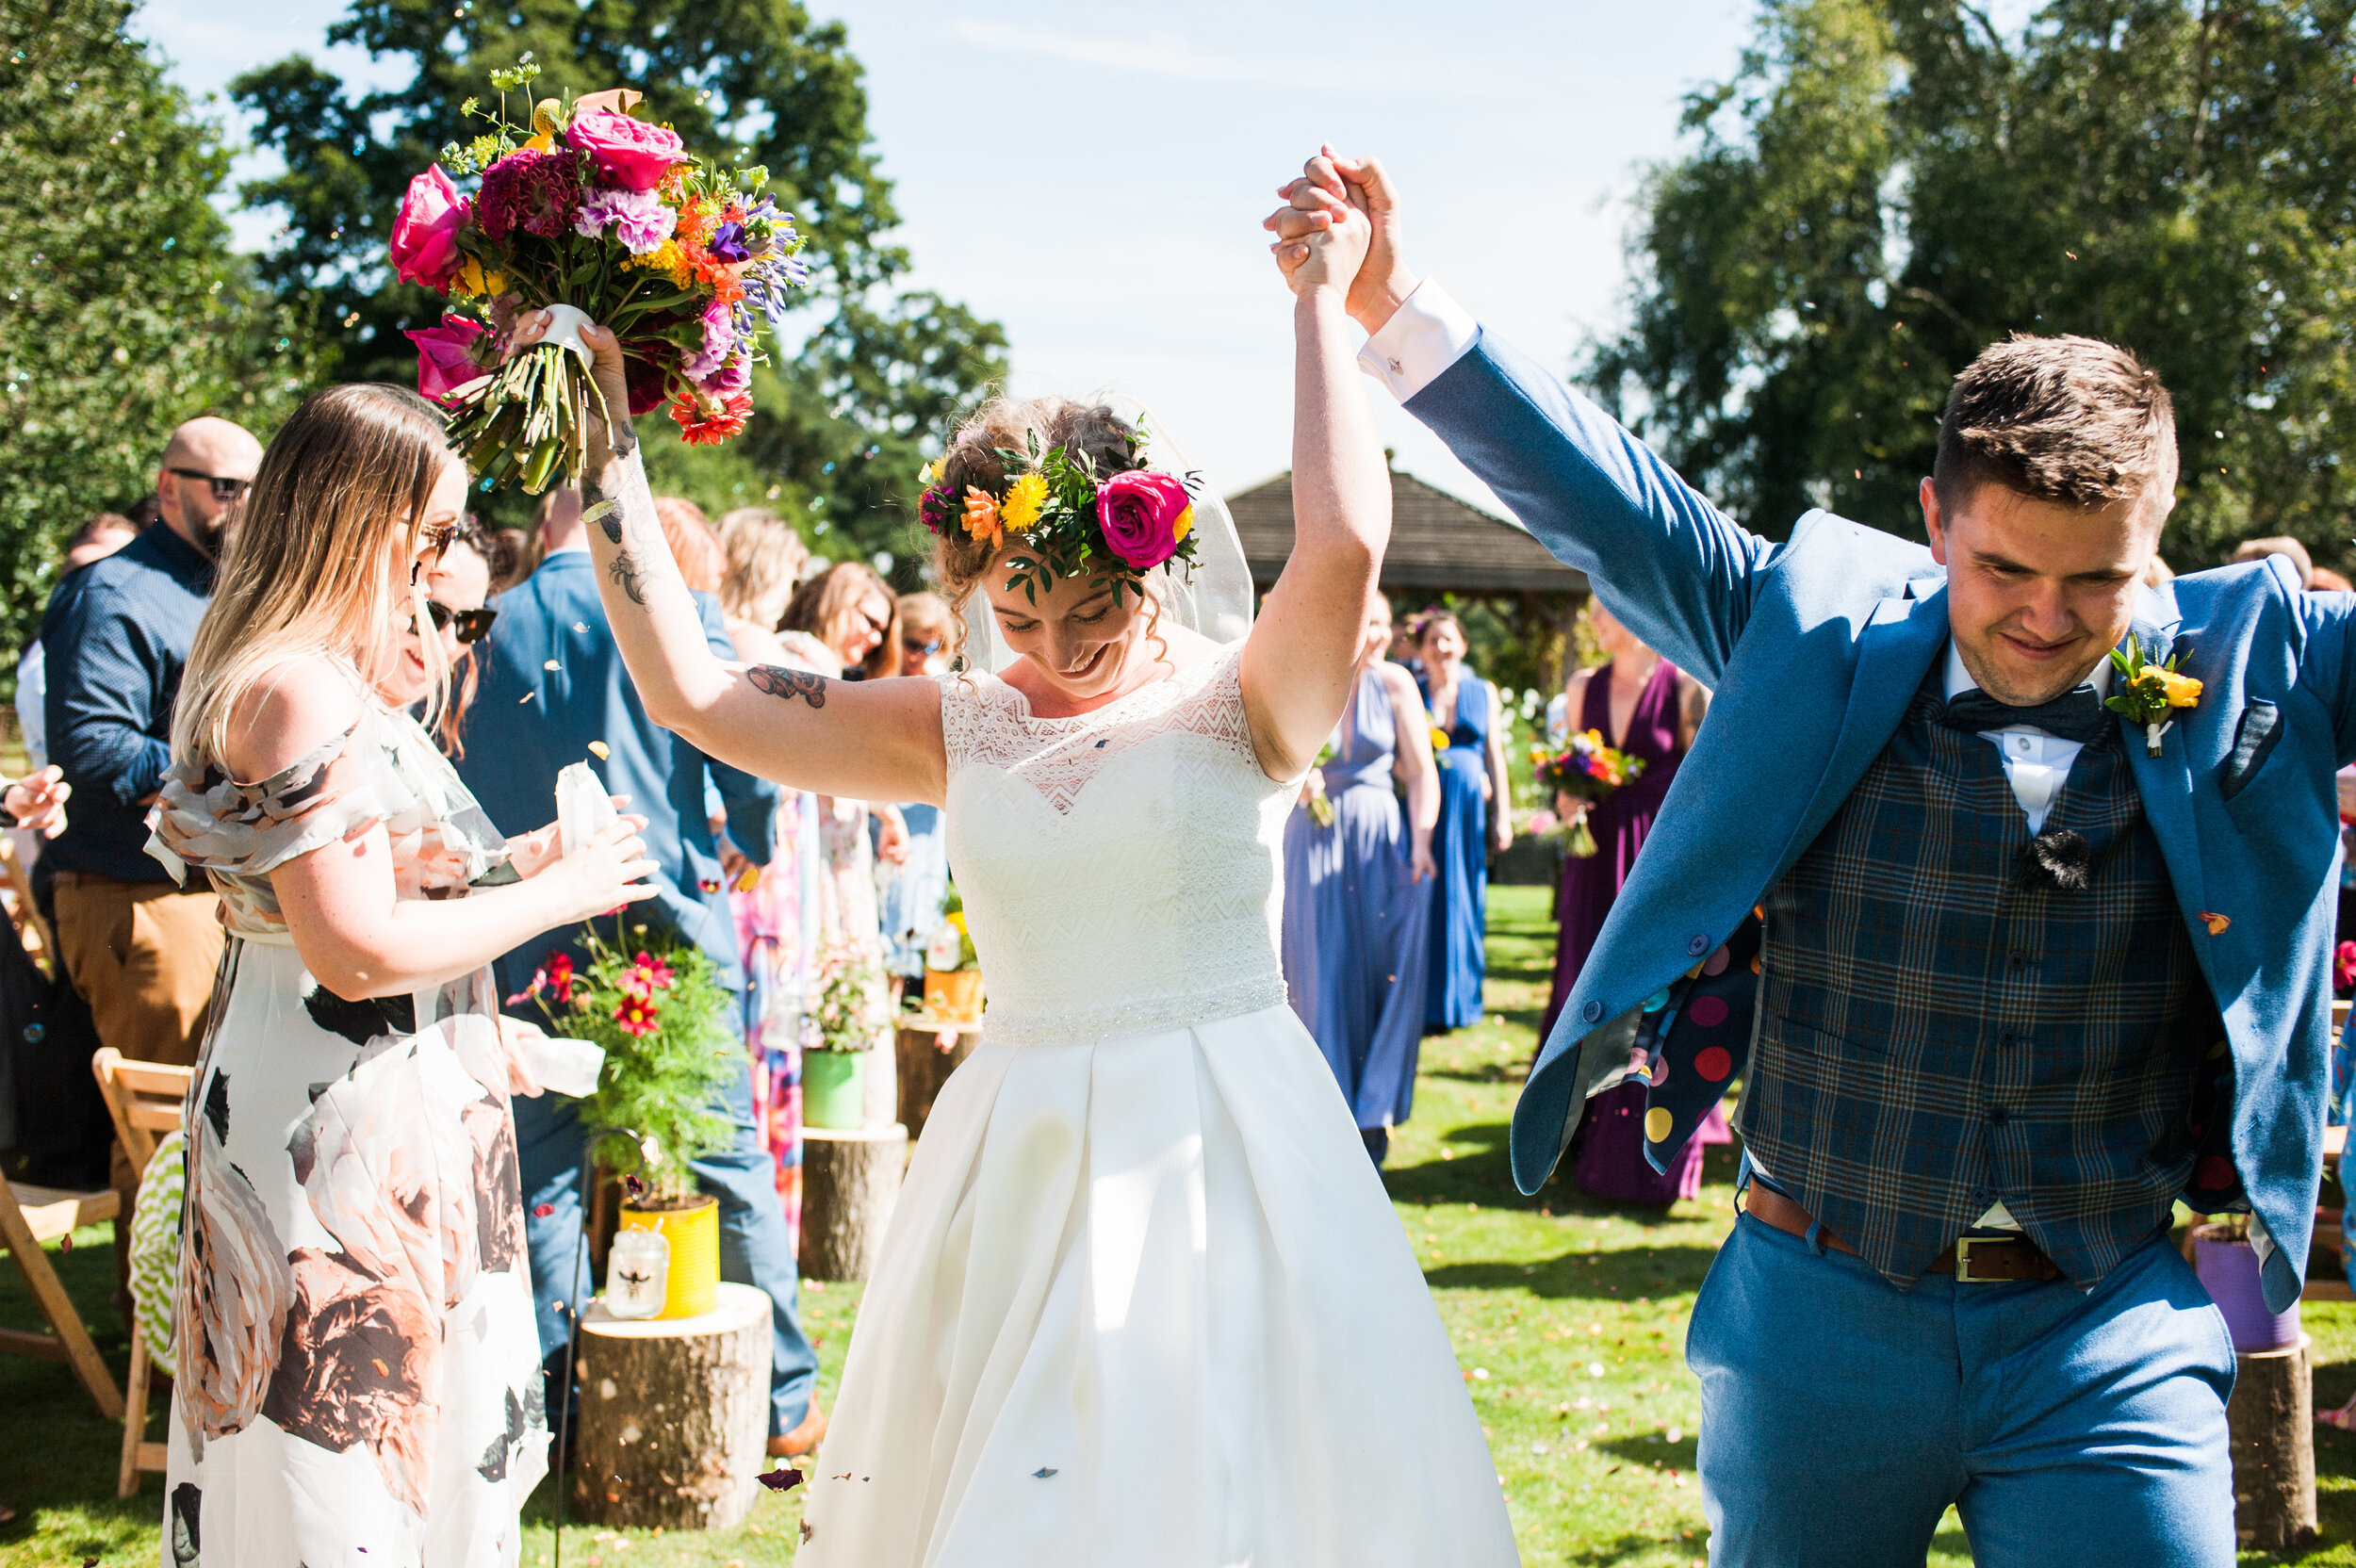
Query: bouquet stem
x,y
1581,842
530,416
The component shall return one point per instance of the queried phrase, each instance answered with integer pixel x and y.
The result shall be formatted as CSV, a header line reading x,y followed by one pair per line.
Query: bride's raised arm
x,y
1297,666
877,739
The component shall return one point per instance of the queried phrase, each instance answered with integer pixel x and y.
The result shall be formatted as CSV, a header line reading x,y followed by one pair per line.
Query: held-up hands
x,y
605,369
606,873
1325,245
1331,194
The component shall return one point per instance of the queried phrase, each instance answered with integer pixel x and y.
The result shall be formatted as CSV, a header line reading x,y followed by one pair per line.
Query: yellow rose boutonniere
x,y
2150,694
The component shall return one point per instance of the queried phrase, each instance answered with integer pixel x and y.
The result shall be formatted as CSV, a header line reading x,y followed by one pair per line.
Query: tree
x,y
1888,185
124,311
750,80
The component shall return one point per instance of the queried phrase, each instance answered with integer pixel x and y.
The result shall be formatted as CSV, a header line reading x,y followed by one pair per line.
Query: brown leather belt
x,y
1971,1260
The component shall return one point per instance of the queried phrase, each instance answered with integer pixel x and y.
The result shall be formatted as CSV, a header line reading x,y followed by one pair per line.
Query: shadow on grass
x,y
1585,1276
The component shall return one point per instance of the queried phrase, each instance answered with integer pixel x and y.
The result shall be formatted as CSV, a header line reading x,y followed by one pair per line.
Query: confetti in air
x,y
781,1479
600,750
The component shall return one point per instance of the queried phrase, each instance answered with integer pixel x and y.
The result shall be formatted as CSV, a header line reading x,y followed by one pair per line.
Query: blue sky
x,y
1093,176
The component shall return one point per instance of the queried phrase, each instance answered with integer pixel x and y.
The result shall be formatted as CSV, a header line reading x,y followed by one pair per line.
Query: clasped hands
x,y
1339,227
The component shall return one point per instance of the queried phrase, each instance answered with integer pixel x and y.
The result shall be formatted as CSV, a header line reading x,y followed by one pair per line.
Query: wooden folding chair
x,y
29,1216
145,1098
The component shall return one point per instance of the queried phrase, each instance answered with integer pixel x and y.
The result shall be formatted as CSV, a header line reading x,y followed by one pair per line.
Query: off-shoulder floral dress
x,y
359,1377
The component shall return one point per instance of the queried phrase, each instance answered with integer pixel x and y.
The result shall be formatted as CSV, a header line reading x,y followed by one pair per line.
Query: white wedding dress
x,y
1144,1302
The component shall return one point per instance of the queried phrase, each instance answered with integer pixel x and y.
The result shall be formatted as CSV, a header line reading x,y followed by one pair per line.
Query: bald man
x,y
115,640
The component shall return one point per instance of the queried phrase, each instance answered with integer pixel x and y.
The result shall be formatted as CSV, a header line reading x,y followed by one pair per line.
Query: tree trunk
x,y
924,1065
2271,1420
850,1179
674,1416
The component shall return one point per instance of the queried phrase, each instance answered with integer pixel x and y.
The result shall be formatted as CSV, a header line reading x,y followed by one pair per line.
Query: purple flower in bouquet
x,y
733,377
728,244
446,356
719,341
532,192
638,218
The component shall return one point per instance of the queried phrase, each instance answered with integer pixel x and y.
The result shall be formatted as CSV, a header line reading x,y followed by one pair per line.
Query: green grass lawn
x,y
1568,1316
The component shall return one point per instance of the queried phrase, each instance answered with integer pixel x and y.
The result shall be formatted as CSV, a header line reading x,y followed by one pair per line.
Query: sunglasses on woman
x,y
923,646
473,624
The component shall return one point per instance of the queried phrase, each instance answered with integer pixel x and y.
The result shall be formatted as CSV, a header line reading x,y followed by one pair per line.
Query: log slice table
x,y
674,1426
850,1181
925,1067
2271,1422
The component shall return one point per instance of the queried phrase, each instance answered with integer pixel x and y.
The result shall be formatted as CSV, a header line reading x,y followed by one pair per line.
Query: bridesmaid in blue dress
x,y
1358,892
1476,820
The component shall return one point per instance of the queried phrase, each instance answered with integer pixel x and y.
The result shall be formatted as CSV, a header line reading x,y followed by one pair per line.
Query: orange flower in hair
x,y
981,517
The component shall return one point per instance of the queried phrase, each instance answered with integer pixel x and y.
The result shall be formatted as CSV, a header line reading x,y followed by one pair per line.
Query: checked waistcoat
x,y
1940,1026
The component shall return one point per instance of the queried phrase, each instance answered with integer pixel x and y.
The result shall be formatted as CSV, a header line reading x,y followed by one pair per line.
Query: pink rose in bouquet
x,y
425,234
446,359
1144,514
626,153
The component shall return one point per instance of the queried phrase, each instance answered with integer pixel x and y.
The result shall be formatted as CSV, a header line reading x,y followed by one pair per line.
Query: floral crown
x,y
1069,522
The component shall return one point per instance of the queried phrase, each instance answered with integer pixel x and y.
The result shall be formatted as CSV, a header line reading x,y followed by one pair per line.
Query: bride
x,y
1143,1300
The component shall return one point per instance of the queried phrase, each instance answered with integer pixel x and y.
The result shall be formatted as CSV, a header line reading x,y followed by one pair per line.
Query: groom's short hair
x,y
2068,420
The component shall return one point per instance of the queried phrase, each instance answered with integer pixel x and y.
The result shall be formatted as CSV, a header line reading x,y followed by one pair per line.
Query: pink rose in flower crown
x,y
626,153
446,359
1144,515
425,234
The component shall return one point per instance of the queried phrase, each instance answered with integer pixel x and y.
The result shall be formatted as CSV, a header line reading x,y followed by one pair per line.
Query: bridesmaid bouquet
x,y
602,218
1587,769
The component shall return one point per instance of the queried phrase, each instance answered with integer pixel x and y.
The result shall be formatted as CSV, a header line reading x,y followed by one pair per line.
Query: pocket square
x,y
2253,741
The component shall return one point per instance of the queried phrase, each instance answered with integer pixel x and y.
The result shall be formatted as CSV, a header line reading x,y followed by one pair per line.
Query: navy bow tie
x,y
2073,716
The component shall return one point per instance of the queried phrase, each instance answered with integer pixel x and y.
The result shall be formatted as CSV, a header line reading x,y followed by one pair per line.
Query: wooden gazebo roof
x,y
1437,543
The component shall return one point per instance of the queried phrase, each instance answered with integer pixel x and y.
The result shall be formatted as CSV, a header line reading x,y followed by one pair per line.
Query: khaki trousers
x,y
142,955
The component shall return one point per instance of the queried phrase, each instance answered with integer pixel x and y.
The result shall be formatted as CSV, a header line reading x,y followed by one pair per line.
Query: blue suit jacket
x,y
529,720
1814,648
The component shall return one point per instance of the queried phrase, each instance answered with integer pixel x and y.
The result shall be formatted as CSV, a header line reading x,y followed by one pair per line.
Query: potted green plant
x,y
952,972
852,1013
656,1008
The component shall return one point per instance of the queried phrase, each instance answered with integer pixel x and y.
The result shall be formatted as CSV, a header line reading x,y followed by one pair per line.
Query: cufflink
x,y
1396,368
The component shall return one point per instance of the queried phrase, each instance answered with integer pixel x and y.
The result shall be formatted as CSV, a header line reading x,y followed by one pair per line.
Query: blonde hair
x,y
764,554
340,495
693,545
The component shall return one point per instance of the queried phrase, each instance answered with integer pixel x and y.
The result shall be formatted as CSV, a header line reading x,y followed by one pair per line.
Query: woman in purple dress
x,y
1648,708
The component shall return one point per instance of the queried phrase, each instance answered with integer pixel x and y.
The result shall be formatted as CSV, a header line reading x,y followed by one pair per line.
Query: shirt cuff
x,y
1427,333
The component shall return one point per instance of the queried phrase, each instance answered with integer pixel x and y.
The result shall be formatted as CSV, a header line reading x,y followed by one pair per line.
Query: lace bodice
x,y
383,769
1119,869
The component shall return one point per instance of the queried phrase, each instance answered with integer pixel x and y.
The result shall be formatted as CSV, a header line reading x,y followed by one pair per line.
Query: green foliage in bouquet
x,y
852,1008
950,948
658,1008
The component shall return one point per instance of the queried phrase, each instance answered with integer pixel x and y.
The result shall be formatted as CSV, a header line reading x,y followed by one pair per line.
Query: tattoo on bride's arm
x,y
781,683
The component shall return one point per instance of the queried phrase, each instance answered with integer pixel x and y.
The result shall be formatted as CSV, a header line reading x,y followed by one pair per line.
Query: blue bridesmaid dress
x,y
1460,846
1356,923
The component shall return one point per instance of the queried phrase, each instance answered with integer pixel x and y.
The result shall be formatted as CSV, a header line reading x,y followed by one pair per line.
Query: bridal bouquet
x,y
601,218
1587,769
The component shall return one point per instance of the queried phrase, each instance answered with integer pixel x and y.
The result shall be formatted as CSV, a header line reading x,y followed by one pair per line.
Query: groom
x,y
2025,976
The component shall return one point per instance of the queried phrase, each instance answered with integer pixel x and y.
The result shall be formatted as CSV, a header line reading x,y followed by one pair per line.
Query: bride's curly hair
x,y
973,461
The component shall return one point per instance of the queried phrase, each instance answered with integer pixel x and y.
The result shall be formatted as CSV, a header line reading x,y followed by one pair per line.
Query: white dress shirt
x,y
2036,764
1427,333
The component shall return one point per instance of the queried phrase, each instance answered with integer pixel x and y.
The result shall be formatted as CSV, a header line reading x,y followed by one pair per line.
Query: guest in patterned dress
x,y
1648,708
359,1371
777,907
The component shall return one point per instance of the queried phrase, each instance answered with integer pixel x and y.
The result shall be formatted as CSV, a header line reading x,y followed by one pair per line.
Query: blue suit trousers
x,y
1840,1416
754,1250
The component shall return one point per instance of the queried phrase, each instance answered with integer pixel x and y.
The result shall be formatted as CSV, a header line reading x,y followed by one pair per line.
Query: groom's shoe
x,y
802,1439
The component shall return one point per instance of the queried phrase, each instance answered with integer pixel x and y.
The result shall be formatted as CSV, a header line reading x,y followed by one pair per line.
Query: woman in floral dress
x,y
359,1369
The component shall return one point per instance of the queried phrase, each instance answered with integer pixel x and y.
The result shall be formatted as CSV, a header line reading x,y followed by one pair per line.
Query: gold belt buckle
x,y
1963,1263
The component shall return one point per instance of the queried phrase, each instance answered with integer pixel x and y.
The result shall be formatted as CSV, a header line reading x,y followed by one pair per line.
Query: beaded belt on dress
x,y
1018,1026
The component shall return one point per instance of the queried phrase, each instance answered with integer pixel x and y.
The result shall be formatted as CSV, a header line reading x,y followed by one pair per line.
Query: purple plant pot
x,y
2228,1266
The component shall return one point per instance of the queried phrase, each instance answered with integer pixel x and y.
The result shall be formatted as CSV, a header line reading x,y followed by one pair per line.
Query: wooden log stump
x,y
2271,1420
925,1067
674,1416
850,1181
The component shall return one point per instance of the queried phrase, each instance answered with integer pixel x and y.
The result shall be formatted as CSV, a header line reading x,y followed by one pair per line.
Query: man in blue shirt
x,y
552,688
115,639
